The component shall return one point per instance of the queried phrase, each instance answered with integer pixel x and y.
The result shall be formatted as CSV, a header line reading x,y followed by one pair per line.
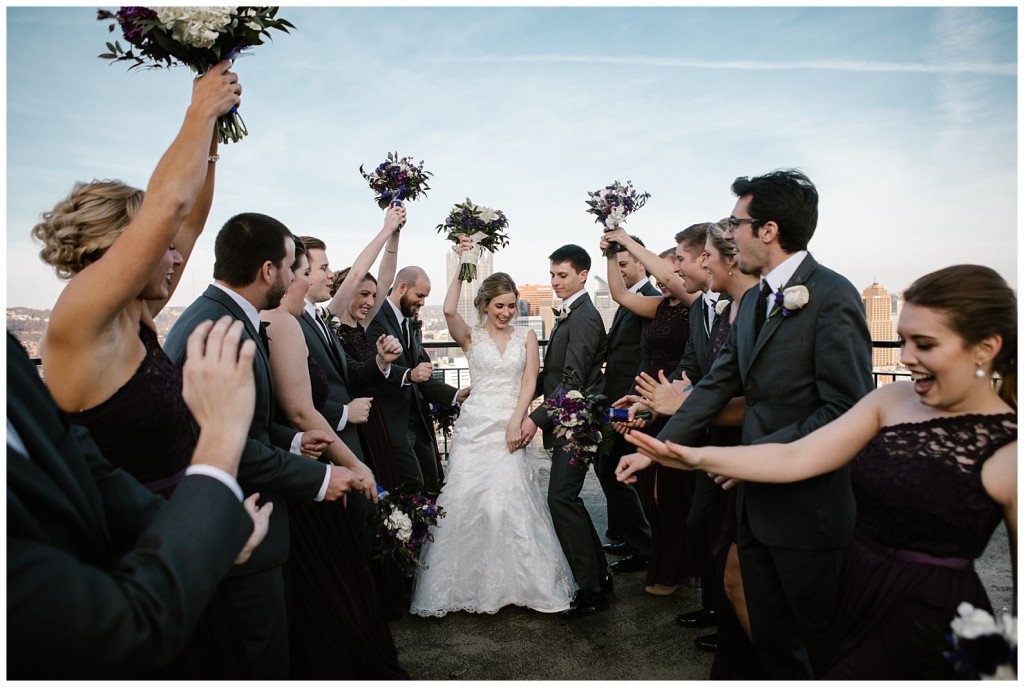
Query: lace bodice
x,y
496,377
918,485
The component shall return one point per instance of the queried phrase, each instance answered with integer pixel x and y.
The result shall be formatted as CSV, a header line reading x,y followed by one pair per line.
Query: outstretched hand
x,y
629,465
661,395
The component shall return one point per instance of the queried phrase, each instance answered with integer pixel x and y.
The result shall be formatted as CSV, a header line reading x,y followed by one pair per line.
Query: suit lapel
x,y
327,345
214,293
775,318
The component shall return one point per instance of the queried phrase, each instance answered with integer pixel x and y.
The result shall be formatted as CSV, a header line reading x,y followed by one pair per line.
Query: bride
x,y
496,545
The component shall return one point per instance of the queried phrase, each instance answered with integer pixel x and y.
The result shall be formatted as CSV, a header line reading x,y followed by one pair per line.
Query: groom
x,y
577,344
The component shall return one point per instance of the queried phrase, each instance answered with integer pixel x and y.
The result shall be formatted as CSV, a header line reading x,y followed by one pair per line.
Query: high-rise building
x,y
878,310
484,269
604,303
540,299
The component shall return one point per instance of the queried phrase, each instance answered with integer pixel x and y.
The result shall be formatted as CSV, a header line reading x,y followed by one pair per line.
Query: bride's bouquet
x,y
483,225
581,418
396,180
403,521
612,204
197,37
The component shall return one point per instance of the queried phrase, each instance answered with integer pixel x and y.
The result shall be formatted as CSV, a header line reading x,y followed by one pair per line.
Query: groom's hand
x,y
527,430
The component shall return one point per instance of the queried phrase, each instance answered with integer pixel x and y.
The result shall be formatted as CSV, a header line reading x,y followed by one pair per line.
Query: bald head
x,y
412,286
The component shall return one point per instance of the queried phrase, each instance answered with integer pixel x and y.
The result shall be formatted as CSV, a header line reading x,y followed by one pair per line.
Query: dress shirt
x,y
567,303
782,273
711,299
254,316
635,288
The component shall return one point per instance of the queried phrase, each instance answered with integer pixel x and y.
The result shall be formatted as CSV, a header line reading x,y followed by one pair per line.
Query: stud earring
x,y
979,373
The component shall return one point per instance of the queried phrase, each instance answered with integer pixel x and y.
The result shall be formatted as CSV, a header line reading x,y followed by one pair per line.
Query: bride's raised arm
x,y
457,327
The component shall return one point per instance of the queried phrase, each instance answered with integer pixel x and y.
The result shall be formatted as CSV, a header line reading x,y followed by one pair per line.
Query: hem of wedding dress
x,y
423,613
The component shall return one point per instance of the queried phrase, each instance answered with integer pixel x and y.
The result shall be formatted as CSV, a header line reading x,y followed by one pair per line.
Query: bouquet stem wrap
x,y
468,260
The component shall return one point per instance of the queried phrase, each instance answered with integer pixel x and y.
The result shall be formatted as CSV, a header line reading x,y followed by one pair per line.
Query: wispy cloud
x,y
960,67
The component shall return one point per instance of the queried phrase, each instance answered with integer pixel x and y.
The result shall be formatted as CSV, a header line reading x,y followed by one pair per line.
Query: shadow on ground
x,y
635,639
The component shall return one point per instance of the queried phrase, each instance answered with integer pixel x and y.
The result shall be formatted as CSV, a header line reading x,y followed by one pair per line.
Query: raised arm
x,y
386,272
393,219
457,327
644,306
98,294
656,267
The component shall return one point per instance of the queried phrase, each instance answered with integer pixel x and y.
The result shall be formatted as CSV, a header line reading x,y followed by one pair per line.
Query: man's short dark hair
x,y
786,197
575,255
244,243
694,237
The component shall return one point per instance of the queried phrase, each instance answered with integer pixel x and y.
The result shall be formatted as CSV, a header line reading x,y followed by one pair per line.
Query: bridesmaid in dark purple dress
x,y
934,465
124,251
337,626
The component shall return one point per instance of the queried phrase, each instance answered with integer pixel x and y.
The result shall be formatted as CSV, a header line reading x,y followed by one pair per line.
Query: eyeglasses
x,y
735,222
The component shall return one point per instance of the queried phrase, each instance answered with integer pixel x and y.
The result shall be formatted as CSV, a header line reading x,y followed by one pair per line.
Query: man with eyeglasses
x,y
799,367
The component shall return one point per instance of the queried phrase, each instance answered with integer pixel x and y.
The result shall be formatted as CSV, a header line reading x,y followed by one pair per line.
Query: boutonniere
x,y
721,304
329,318
559,315
788,300
416,324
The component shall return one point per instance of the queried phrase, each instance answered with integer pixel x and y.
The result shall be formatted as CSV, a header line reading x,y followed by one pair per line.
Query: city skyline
x,y
901,116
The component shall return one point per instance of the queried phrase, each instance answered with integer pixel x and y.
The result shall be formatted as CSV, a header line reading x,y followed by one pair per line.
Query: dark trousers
x,y
625,513
573,526
791,596
258,602
698,528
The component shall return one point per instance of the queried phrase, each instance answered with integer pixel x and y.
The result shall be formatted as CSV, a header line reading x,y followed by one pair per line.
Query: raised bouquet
x,y
982,646
483,225
396,180
403,522
612,204
197,37
580,418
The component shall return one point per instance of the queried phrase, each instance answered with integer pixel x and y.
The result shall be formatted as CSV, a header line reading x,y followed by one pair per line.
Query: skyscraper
x,y
878,310
539,301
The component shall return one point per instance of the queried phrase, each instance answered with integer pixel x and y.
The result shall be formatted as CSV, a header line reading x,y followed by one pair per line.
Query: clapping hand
x,y
315,442
359,410
662,396
260,525
388,349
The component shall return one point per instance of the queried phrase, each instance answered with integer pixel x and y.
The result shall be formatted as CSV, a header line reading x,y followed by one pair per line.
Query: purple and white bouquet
x,y
396,180
982,646
403,522
197,37
612,204
581,418
483,225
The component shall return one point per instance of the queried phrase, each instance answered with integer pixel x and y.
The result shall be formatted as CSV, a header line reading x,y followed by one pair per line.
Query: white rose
x,y
721,305
570,421
486,214
401,522
616,218
972,622
795,297
574,394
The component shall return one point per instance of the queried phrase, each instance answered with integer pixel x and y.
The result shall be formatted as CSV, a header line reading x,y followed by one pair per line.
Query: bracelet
x,y
213,158
390,251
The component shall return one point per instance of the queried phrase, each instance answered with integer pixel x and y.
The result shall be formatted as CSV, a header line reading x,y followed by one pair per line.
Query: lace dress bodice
x,y
496,377
918,485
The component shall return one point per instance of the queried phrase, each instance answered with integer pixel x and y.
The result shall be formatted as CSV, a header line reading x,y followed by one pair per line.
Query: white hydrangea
x,y
195,26
400,521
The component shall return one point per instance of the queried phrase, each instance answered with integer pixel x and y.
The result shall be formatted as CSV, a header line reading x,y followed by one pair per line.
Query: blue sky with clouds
x,y
905,118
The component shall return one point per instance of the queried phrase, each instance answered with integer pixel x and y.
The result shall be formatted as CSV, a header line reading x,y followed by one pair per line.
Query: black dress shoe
x,y
634,562
707,642
585,603
607,585
619,548
697,619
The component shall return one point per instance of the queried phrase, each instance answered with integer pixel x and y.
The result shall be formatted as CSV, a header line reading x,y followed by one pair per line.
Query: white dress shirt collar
x,y
785,270
635,288
248,308
567,303
395,309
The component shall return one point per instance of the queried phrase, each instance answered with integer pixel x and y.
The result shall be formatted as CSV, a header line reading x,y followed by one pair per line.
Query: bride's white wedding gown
x,y
496,545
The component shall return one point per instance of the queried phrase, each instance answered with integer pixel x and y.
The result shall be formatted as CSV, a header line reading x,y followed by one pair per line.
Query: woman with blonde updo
x,y
496,545
123,251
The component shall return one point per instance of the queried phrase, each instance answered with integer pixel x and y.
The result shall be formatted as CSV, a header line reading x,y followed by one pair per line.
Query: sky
x,y
905,119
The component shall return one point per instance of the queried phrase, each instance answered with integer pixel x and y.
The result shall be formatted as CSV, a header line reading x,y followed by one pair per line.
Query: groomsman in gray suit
x,y
577,345
409,424
253,256
625,514
799,368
